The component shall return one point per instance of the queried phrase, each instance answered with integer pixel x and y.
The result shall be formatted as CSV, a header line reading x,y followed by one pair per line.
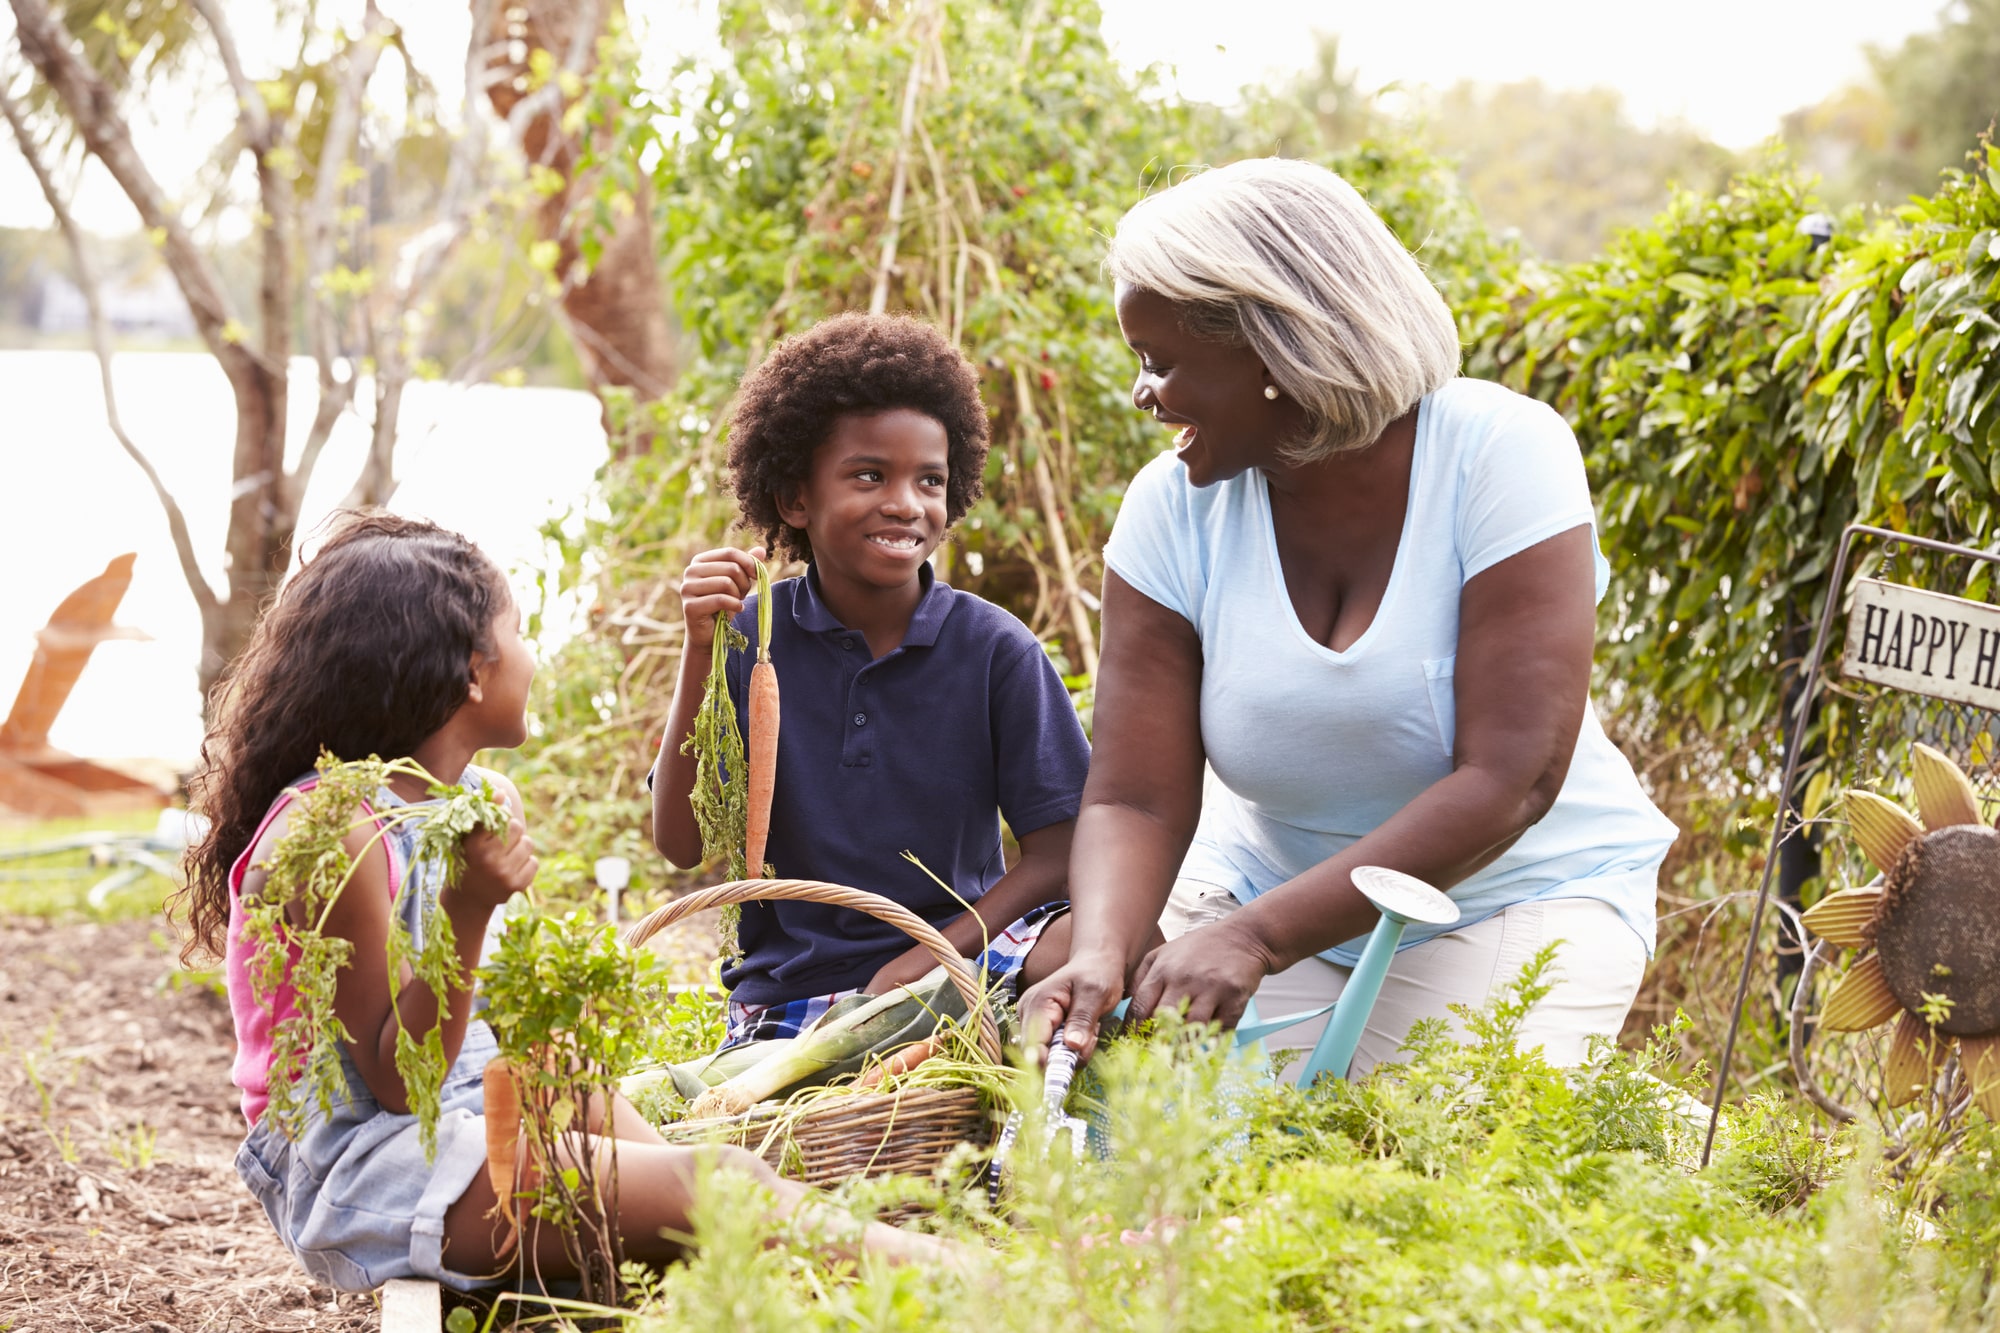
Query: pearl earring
x,y
1271,392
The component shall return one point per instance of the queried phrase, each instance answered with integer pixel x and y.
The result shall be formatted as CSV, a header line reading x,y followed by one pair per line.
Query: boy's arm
x,y
1040,876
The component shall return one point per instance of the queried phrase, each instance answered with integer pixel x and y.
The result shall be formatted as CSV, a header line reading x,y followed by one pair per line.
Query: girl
x,y
398,639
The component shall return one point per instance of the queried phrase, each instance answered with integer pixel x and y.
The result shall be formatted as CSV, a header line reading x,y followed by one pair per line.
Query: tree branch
x,y
547,99
100,337
274,189
93,106
250,106
318,226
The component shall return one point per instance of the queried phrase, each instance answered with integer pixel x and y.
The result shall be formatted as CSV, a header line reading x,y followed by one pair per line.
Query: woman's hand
x,y
1076,997
1215,968
715,583
498,866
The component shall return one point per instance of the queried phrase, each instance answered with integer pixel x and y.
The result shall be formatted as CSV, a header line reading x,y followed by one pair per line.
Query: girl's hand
x,y
497,868
1214,968
716,582
1076,997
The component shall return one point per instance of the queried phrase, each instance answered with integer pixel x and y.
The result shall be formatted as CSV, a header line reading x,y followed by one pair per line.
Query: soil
x,y
119,1204
120,1208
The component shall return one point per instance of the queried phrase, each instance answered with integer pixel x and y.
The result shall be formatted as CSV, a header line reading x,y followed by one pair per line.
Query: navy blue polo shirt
x,y
925,749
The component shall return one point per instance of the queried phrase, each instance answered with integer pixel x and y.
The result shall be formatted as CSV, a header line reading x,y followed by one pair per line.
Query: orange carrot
x,y
761,748
761,754
900,1061
503,1141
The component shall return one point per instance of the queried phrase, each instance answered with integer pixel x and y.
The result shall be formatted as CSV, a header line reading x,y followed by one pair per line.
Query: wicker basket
x,y
904,1132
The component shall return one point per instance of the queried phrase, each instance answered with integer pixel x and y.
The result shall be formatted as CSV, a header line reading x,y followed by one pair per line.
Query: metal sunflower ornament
x,y
1929,931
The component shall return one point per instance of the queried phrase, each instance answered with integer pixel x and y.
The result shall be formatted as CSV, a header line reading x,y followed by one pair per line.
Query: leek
x,y
838,1043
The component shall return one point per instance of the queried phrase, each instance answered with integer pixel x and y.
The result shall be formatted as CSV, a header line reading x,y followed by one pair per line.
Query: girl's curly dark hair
x,y
786,408
366,651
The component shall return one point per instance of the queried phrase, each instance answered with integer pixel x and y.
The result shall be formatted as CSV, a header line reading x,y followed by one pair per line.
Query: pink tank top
x,y
255,1019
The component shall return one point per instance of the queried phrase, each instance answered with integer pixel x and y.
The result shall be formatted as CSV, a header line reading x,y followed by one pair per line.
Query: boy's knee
x,y
1051,951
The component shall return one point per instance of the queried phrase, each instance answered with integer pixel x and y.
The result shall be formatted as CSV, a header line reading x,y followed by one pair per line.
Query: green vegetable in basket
x,y
839,1043
692,1078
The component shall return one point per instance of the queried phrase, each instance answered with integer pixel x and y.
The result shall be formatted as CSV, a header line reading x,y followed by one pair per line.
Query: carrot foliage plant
x,y
284,926
721,795
572,1009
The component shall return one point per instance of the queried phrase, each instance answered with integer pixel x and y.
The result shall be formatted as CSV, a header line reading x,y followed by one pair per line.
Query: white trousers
x,y
1599,963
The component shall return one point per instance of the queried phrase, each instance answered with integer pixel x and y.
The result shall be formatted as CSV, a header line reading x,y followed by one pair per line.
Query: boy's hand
x,y
904,969
716,582
496,868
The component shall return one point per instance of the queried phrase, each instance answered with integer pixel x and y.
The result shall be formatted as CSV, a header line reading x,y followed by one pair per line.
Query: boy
x,y
915,716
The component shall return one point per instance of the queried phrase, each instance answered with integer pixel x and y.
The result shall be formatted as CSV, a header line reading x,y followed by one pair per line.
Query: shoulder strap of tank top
x,y
291,793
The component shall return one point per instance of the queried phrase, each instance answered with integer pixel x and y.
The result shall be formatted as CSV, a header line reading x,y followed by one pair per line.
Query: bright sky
x,y
1730,68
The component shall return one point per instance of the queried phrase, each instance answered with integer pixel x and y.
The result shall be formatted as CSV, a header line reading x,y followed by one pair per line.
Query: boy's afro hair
x,y
851,363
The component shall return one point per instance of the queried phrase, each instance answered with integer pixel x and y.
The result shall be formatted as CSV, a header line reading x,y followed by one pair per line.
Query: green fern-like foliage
x,y
284,926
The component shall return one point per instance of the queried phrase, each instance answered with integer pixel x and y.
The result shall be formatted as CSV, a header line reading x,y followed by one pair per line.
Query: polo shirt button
x,y
861,719
847,645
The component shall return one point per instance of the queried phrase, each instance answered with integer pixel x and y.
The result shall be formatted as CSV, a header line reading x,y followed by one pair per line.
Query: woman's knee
x,y
1599,964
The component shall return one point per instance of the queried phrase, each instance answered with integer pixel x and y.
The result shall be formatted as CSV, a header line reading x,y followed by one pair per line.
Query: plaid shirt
x,y
1002,960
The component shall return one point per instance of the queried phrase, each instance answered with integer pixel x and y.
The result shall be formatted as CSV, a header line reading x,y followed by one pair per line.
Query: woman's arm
x,y
496,867
716,582
1140,806
1522,681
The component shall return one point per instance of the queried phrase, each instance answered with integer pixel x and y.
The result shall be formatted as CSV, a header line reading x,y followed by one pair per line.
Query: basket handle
x,y
818,891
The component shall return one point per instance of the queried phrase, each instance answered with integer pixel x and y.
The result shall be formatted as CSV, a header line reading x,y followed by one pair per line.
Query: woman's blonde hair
x,y
1285,258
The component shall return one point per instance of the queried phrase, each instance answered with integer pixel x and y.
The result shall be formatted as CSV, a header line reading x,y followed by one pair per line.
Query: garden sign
x,y
1924,642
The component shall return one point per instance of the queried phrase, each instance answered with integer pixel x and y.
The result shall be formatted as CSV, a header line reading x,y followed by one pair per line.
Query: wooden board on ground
x,y
35,779
411,1306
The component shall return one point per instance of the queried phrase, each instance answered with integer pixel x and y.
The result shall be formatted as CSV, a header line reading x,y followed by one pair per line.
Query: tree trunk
x,y
263,513
615,314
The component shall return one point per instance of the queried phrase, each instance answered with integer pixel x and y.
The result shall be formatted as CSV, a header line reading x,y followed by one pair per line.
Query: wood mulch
x,y
119,1204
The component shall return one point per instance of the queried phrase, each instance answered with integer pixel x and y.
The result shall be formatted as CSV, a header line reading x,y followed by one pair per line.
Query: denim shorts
x,y
354,1199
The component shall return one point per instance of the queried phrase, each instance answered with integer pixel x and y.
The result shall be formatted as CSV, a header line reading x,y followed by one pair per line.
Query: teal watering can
x,y
1402,900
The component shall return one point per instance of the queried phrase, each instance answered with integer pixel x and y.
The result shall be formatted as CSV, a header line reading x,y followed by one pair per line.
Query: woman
x,y
1363,592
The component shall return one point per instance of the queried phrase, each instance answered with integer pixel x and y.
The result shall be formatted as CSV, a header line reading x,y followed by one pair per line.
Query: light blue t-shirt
x,y
1315,748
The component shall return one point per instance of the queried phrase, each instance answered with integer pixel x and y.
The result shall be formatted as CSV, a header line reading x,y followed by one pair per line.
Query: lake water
x,y
493,463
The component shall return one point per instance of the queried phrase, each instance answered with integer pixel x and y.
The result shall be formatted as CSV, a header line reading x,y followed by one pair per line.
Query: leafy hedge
x,y
1472,1188
776,187
1741,396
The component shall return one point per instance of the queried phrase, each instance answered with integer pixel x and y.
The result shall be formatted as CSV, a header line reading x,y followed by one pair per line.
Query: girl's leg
x,y
655,1200
626,1122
